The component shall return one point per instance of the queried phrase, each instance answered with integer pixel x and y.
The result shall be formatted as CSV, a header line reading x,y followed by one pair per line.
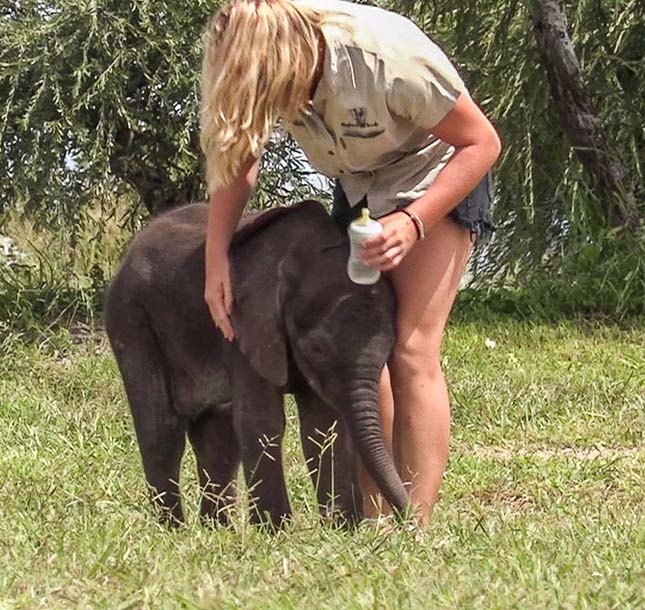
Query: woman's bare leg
x,y
426,284
418,426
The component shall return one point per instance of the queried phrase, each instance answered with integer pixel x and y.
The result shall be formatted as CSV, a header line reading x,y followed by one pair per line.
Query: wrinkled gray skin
x,y
301,327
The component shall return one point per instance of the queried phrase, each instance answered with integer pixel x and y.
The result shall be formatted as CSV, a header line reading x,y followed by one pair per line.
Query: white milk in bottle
x,y
359,230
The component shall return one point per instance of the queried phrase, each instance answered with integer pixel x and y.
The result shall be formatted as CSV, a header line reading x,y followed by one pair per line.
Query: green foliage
x,y
600,277
544,201
286,176
99,102
98,95
101,96
33,296
56,276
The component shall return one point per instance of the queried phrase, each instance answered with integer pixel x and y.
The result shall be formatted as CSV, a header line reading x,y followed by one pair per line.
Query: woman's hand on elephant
x,y
219,296
387,250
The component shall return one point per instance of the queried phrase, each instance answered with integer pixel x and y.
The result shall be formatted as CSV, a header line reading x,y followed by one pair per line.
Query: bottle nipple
x,y
364,219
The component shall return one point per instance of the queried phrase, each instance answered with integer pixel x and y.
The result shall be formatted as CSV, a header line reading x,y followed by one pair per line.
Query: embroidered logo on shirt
x,y
360,119
365,129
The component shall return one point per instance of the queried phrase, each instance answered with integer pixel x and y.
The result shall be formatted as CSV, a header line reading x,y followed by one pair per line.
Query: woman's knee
x,y
414,358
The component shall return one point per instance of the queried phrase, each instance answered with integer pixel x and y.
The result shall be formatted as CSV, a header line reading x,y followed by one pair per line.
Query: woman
x,y
378,106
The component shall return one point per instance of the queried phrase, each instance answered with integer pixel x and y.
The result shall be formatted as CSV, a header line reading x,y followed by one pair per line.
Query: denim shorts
x,y
473,212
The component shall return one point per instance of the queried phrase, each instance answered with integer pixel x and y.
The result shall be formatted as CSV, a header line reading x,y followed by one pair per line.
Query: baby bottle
x,y
359,230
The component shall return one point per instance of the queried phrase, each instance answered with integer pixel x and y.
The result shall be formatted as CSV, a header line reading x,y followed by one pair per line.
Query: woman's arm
x,y
226,207
477,147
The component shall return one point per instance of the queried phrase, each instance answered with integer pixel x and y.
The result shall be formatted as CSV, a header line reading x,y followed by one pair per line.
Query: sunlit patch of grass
x,y
566,383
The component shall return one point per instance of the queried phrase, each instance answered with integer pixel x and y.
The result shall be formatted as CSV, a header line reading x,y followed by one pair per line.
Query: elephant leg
x,y
161,444
218,457
161,432
330,457
259,421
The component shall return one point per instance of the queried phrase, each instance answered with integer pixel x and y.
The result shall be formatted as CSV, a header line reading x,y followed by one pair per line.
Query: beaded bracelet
x,y
417,222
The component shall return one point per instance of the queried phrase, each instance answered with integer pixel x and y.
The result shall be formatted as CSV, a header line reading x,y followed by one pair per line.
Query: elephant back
x,y
311,212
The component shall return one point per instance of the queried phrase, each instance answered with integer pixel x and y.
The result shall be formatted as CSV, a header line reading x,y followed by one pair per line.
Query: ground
x,y
542,506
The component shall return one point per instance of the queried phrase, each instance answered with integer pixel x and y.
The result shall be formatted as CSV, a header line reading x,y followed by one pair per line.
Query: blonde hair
x,y
260,57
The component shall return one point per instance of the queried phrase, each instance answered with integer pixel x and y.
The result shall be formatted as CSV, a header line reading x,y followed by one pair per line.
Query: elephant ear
x,y
258,293
261,269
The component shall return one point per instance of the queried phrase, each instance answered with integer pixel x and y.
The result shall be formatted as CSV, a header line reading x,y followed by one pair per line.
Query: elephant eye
x,y
318,346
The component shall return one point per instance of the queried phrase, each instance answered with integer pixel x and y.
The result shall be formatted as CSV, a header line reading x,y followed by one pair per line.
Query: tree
x,y
546,204
578,116
100,96
103,96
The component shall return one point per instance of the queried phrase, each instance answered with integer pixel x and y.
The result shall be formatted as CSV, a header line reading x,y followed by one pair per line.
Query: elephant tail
x,y
143,369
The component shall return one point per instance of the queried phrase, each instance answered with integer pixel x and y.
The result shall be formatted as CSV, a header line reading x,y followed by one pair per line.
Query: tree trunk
x,y
578,117
144,162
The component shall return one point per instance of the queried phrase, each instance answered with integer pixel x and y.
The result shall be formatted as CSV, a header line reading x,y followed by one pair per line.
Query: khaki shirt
x,y
384,85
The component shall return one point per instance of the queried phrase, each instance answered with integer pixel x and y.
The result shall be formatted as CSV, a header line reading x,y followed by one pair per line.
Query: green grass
x,y
542,506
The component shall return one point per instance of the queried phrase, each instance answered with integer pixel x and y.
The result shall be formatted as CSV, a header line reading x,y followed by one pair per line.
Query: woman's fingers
x,y
224,324
219,301
386,251
373,249
376,241
381,250
388,260
218,294
227,301
394,262
228,296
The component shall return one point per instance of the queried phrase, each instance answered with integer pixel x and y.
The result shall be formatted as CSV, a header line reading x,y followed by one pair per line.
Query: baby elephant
x,y
301,327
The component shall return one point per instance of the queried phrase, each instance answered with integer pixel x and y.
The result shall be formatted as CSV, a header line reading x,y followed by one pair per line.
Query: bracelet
x,y
417,222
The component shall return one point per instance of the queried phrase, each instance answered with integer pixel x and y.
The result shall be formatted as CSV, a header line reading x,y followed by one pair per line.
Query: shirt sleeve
x,y
422,91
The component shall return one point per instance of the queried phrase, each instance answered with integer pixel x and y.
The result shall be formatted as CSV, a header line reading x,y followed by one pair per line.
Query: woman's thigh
x,y
426,283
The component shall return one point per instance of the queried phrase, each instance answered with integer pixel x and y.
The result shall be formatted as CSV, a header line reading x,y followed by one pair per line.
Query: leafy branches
x,y
98,95
544,200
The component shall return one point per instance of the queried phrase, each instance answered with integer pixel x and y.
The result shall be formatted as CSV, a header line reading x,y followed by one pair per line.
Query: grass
x,y
542,506
58,272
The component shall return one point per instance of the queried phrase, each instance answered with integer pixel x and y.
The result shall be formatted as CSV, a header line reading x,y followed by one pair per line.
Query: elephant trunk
x,y
364,422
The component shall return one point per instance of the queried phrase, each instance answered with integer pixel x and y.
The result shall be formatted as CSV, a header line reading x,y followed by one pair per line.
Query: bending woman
x,y
376,105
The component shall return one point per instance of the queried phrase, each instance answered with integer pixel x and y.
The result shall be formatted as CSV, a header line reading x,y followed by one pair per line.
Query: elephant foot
x,y
271,520
171,516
